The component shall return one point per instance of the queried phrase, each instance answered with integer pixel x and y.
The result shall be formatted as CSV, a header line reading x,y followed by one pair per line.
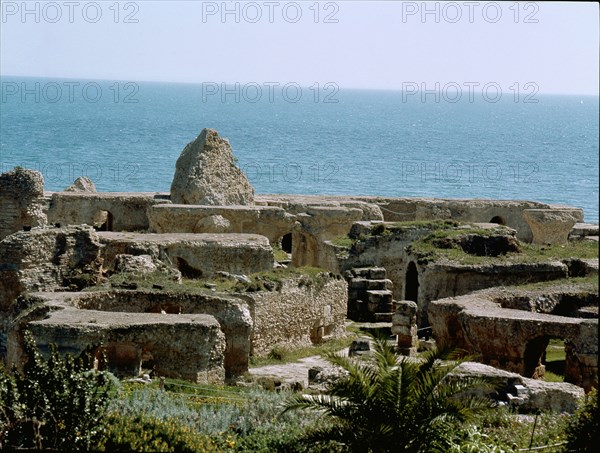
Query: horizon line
x,y
356,88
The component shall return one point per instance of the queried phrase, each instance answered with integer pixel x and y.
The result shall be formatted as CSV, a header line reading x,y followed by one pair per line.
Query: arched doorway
x,y
497,219
411,283
286,243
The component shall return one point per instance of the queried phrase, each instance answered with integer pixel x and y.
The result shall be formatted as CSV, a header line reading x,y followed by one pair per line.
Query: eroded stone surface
x,y
21,201
82,184
515,339
47,260
194,255
180,346
551,226
206,174
531,394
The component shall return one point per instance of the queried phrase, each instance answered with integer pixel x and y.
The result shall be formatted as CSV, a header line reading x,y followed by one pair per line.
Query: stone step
x,y
373,273
358,283
380,296
361,271
383,317
585,229
379,284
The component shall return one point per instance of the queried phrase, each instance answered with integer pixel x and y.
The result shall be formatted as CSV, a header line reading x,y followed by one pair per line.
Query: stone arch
x,y
103,220
411,283
498,219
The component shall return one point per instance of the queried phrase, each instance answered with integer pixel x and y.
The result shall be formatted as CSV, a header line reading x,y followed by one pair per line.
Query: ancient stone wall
x,y
195,255
302,312
272,222
505,212
107,211
47,260
21,201
515,340
232,314
440,280
179,346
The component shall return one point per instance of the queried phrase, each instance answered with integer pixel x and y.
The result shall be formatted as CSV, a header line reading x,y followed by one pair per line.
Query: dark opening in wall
x,y
186,270
534,355
286,243
497,219
411,283
103,221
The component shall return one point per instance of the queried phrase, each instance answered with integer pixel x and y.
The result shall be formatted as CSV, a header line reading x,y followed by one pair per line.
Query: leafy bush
x,y
55,403
145,433
395,404
582,432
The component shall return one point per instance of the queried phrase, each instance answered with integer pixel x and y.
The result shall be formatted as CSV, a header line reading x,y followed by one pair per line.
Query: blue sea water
x,y
127,137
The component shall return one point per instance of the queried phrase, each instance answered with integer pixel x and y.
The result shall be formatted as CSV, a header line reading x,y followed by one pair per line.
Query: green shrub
x,y
145,433
55,403
582,432
395,404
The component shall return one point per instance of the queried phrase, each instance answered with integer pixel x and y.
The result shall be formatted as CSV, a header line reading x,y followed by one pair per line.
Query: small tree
x,y
55,403
396,404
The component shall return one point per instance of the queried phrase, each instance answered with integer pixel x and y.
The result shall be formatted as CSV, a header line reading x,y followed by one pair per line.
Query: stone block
x,y
377,273
551,226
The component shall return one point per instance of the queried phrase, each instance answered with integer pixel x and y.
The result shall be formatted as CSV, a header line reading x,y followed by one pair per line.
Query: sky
x,y
553,47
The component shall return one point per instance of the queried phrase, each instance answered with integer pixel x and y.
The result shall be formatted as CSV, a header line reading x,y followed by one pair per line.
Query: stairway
x,y
369,295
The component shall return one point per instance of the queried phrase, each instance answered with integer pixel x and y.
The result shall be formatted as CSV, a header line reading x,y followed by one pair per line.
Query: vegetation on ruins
x,y
260,281
55,403
446,245
397,404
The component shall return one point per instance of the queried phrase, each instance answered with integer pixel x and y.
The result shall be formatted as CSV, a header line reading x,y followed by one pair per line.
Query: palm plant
x,y
397,404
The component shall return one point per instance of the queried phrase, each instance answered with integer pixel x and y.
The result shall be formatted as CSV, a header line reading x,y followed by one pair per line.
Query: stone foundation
x,y
515,339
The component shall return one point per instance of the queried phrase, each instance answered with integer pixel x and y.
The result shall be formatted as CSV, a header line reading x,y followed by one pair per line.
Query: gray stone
x,y
529,394
82,184
206,174
213,224
21,201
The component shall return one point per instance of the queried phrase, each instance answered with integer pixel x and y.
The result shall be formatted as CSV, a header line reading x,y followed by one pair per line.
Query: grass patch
x,y
280,254
426,250
504,428
343,241
279,355
583,284
261,281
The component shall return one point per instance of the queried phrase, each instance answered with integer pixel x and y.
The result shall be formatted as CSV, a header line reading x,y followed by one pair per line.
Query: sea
x,y
508,143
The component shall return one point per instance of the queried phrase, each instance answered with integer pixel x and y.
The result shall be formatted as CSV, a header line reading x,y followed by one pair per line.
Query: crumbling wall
x,y
515,340
272,222
232,314
195,255
21,201
303,311
47,260
108,211
180,346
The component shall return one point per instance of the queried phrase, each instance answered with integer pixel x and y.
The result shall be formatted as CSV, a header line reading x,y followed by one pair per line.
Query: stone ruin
x,y
58,250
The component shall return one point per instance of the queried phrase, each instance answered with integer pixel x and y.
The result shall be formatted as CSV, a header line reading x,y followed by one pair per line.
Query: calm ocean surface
x,y
367,143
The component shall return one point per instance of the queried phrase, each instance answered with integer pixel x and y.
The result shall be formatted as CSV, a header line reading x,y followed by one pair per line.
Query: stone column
x,y
404,325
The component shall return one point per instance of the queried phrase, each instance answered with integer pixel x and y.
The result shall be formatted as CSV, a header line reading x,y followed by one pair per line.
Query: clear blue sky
x,y
372,45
